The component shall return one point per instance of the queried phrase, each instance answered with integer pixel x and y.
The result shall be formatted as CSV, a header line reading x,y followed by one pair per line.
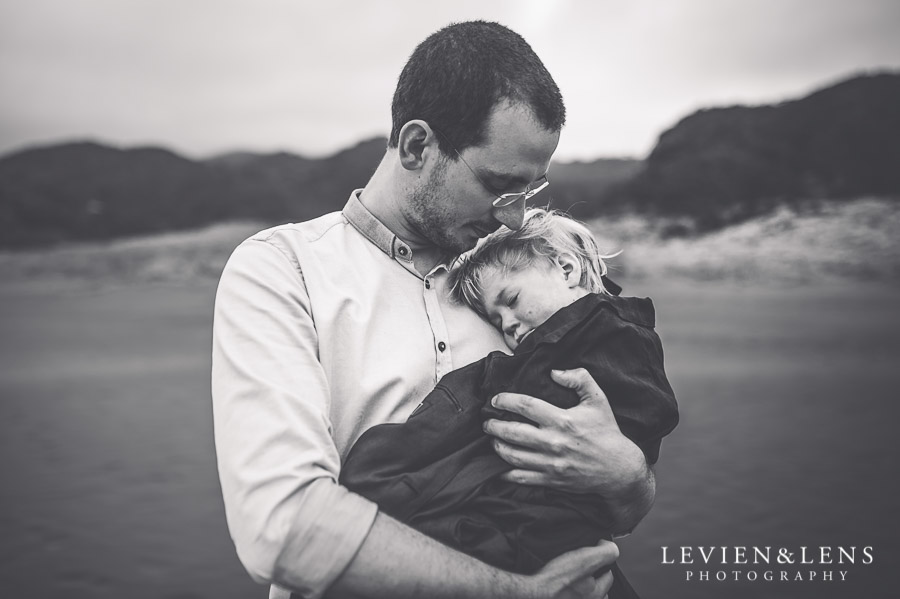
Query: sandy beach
x,y
788,409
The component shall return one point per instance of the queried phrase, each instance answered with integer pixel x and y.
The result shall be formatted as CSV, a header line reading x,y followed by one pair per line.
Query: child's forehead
x,y
496,278
511,269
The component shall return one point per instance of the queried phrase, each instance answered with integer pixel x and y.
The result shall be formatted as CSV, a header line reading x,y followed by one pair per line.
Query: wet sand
x,y
789,412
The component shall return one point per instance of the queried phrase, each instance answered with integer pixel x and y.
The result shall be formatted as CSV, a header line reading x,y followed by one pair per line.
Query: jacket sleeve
x,y
625,357
617,344
292,523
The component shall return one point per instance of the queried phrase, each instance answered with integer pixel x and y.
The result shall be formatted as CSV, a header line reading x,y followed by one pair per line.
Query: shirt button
x,y
427,284
402,251
442,346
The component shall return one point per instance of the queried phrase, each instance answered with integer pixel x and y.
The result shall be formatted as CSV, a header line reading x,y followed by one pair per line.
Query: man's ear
x,y
416,143
571,268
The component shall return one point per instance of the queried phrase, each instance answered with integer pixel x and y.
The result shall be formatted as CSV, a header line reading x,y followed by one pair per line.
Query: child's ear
x,y
571,268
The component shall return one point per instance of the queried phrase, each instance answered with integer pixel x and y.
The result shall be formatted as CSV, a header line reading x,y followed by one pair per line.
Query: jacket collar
x,y
637,310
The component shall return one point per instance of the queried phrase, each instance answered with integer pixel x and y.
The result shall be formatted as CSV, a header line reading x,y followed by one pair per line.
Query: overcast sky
x,y
209,76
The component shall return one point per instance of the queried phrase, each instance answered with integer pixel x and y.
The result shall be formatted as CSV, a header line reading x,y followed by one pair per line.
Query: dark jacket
x,y
438,472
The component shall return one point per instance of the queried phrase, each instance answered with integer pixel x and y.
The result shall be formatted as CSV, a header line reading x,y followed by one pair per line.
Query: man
x,y
326,328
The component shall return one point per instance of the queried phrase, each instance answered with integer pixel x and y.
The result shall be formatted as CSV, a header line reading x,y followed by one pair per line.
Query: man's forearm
x,y
632,501
396,561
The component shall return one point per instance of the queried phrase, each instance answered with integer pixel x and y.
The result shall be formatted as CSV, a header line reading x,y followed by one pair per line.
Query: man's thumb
x,y
581,381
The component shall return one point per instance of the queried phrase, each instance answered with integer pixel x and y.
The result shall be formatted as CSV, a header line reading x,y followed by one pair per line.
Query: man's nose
x,y
513,215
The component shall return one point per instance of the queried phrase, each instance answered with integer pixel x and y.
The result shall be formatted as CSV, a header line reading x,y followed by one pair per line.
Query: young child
x,y
543,287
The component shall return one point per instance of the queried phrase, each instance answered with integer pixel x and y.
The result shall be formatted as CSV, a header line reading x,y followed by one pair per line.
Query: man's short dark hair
x,y
458,74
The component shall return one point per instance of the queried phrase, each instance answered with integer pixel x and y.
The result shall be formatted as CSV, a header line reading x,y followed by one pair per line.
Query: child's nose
x,y
510,325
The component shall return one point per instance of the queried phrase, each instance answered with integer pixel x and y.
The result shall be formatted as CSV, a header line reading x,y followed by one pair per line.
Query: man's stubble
x,y
431,215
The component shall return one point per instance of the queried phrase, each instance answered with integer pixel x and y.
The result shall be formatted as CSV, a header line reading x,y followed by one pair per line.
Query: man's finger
x,y
604,584
581,381
534,409
516,433
583,562
526,477
519,457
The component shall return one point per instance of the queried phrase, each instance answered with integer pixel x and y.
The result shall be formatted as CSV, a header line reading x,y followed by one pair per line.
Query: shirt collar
x,y
374,230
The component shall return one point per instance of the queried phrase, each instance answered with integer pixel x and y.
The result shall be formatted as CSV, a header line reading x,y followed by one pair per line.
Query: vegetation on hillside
x,y
724,165
825,241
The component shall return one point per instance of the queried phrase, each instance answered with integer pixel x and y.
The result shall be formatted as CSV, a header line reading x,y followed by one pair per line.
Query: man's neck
x,y
383,196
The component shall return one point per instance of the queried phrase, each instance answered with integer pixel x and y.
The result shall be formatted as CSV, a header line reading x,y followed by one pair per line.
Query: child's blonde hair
x,y
545,235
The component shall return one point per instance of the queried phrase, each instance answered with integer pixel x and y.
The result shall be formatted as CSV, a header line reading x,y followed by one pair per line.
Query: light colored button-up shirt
x,y
322,330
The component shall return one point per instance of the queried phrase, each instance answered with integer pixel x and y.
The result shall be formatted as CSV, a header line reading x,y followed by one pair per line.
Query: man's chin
x,y
468,238
459,244
465,239
482,231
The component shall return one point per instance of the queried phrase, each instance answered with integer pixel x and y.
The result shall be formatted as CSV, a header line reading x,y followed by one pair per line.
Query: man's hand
x,y
580,449
571,575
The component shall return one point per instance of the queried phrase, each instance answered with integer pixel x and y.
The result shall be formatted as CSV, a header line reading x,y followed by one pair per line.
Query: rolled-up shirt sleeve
x,y
292,523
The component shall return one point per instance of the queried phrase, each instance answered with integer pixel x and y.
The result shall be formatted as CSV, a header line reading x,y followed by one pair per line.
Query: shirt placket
x,y
443,362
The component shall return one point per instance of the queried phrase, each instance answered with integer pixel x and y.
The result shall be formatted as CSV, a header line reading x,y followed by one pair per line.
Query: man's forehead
x,y
515,144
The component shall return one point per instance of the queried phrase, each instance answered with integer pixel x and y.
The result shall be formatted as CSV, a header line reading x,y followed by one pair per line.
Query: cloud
x,y
204,76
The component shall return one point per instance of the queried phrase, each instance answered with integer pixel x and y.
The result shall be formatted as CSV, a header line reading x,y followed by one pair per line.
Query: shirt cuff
x,y
321,545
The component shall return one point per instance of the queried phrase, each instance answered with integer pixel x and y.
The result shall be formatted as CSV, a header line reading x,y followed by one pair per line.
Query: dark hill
x,y
579,187
82,191
716,166
85,190
724,164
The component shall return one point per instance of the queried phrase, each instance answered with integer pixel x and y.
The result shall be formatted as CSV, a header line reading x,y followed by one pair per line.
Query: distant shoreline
x,y
842,241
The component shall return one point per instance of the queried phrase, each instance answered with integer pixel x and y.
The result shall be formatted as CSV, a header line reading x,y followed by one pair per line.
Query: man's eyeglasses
x,y
504,199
